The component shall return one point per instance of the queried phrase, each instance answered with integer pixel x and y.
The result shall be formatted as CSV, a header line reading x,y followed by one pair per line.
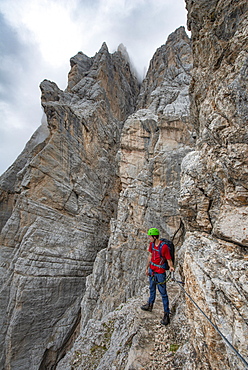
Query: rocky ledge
x,y
110,160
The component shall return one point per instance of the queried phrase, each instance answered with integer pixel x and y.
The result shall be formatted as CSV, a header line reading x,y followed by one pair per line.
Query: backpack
x,y
171,249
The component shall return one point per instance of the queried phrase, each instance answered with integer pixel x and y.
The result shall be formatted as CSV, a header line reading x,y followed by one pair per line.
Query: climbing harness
x,y
167,278
180,283
163,262
160,266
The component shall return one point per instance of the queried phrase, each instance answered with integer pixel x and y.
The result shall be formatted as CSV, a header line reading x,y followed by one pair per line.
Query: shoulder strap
x,y
159,249
162,264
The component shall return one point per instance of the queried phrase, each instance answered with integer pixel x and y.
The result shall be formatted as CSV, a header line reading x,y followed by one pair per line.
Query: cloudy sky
x,y
38,38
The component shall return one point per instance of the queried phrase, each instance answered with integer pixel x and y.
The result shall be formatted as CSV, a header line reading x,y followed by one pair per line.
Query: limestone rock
x,y
57,202
108,164
128,338
165,88
105,79
150,180
216,277
80,67
151,150
214,179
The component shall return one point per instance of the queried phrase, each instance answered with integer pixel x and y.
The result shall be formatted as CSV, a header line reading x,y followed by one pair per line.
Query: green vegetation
x,y
98,348
174,347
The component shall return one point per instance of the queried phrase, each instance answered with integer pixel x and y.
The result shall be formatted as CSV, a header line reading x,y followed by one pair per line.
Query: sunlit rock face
x,y
150,155
110,161
165,88
153,144
214,193
57,200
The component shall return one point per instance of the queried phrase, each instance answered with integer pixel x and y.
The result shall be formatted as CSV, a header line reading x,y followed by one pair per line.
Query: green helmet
x,y
153,231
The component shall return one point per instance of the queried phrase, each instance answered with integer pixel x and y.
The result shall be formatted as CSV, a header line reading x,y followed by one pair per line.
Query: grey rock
x,y
110,163
64,190
214,179
151,151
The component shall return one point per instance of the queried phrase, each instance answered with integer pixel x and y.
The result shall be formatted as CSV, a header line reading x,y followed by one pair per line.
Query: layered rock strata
x,y
57,202
100,162
67,191
214,193
127,339
153,145
151,151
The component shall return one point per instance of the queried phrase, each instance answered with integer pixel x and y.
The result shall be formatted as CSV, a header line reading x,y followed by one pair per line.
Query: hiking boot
x,y
166,319
147,307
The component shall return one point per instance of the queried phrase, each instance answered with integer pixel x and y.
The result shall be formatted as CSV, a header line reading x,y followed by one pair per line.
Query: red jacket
x,y
165,252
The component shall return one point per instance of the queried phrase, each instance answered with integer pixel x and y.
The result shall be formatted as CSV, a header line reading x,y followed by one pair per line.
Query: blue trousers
x,y
154,279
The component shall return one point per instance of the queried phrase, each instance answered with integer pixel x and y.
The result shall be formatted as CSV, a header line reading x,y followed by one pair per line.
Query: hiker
x,y
159,253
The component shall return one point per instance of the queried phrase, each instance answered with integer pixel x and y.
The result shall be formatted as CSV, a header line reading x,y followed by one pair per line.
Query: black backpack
x,y
171,249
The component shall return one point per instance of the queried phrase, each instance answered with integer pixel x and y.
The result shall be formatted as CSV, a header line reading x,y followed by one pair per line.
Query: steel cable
x,y
180,283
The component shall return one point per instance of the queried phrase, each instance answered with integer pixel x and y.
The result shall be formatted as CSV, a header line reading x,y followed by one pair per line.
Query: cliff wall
x,y
115,333
110,160
151,151
212,206
57,202
214,193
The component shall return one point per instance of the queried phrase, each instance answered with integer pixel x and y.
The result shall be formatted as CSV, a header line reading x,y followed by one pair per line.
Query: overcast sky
x,y
38,38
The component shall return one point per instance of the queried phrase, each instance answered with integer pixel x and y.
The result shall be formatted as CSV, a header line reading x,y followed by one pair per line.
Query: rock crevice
x,y
110,160
64,190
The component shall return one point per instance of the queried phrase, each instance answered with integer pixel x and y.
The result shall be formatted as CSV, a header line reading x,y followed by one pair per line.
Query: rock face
x,y
111,161
152,147
62,192
214,194
151,152
57,202
127,339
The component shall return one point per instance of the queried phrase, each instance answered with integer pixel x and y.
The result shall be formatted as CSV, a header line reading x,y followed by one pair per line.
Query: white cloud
x,y
46,23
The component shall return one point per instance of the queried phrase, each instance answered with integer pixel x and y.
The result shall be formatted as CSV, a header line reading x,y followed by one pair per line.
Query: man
x,y
156,272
